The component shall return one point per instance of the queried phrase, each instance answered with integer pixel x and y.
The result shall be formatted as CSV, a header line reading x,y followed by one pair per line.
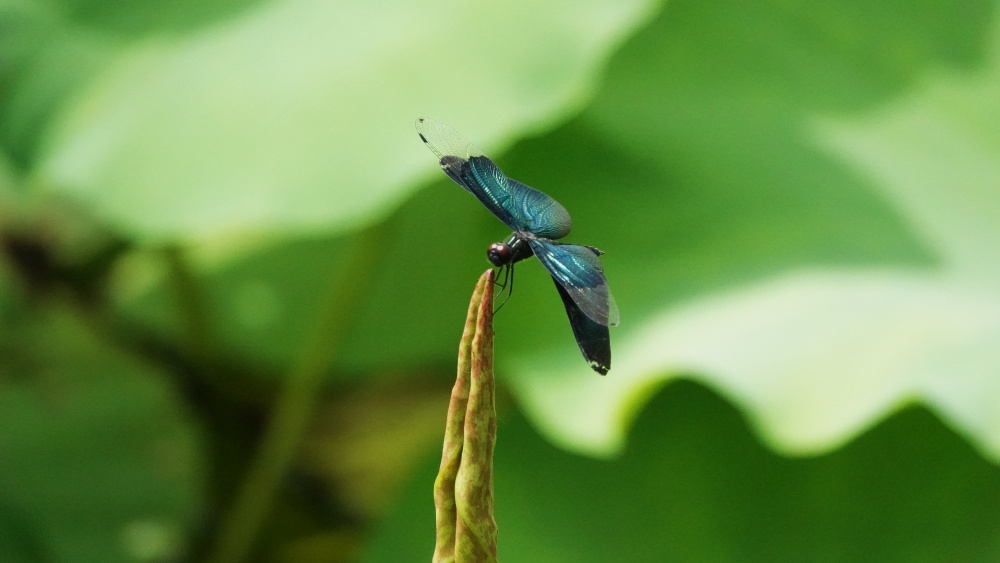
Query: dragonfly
x,y
537,221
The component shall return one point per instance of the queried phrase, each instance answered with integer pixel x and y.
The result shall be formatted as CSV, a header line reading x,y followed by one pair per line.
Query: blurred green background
x,y
232,280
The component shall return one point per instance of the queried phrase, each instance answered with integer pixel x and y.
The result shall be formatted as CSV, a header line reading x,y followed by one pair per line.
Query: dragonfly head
x,y
514,249
499,254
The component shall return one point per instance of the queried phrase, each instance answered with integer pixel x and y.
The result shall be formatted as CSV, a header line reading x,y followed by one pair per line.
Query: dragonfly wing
x,y
578,270
591,336
539,213
445,141
520,207
524,207
452,149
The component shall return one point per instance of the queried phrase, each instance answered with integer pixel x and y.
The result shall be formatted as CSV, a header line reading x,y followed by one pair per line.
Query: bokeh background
x,y
232,278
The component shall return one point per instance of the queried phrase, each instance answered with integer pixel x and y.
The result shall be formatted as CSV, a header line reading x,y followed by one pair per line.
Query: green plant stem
x,y
463,489
294,409
196,328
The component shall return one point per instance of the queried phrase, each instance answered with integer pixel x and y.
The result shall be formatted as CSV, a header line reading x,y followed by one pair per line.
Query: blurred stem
x,y
193,307
201,377
294,409
463,489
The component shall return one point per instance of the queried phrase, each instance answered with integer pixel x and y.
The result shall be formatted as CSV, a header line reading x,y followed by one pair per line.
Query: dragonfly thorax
x,y
512,250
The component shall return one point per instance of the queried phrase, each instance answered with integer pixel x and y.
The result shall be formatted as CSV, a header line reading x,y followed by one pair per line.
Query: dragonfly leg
x,y
506,287
501,278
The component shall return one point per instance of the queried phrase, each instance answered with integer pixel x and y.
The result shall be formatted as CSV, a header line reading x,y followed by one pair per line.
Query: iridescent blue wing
x,y
520,207
592,337
578,270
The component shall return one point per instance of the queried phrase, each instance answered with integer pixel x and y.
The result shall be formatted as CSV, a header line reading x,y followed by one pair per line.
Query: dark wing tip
x,y
598,367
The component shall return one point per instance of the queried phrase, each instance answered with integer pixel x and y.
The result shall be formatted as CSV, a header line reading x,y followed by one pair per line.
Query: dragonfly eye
x,y
499,254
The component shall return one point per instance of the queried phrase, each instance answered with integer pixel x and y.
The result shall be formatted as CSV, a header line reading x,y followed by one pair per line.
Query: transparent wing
x,y
453,152
578,270
519,206
445,141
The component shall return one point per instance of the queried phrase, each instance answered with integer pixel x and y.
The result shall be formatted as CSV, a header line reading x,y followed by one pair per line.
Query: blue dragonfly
x,y
537,221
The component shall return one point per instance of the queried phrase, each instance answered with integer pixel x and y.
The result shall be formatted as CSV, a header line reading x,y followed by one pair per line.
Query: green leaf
x,y
834,255
694,484
933,153
813,357
100,461
749,204
297,117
